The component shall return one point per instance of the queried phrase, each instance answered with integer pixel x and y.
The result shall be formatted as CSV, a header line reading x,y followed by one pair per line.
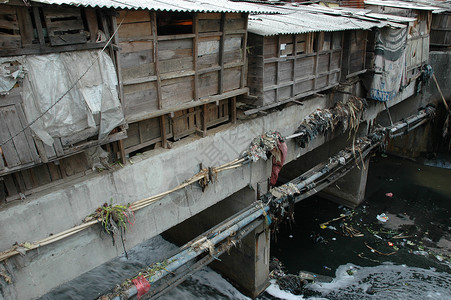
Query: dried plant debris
x,y
344,114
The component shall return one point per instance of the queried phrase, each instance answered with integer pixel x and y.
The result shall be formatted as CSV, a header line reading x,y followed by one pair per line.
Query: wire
x,y
67,92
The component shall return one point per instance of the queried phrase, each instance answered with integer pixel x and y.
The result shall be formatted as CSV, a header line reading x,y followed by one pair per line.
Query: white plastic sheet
x,y
94,96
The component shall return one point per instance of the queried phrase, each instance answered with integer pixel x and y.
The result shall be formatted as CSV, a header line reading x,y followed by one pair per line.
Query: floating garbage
x,y
307,276
382,217
389,195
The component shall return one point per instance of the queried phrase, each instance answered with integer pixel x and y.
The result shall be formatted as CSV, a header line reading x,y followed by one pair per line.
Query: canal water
x,y
355,257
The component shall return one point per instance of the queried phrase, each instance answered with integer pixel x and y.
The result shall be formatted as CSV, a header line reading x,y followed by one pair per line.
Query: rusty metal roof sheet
x,y
303,21
222,6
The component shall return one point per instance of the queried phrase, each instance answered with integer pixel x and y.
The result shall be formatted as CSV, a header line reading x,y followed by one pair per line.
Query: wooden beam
x,y
203,100
318,36
233,109
293,75
156,59
221,55
25,26
93,26
299,96
122,151
330,60
277,70
244,47
364,49
204,120
195,54
43,49
37,21
164,142
117,60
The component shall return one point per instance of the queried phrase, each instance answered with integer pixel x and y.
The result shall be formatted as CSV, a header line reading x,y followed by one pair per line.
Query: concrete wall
x,y
65,206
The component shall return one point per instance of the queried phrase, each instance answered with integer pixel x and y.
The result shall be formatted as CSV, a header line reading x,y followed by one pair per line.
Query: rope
x,y
135,206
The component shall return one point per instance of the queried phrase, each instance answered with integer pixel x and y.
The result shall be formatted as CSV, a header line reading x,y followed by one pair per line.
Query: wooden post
x,y
204,120
233,110
106,30
117,61
195,54
364,49
221,55
25,25
244,67
277,69
122,151
156,59
330,59
293,75
318,36
164,142
37,20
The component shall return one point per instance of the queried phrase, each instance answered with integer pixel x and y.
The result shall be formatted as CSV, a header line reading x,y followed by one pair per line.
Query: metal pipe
x,y
185,256
250,214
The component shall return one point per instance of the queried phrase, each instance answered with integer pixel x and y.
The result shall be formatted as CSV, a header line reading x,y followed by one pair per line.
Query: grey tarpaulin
x,y
389,63
92,102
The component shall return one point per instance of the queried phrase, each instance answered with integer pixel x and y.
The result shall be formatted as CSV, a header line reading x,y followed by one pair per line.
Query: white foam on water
x,y
387,281
275,291
205,284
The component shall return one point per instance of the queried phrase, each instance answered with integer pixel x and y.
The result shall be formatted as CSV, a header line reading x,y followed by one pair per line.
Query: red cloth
x,y
142,285
277,165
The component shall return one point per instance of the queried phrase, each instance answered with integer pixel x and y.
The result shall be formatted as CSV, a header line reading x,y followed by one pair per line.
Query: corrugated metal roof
x,y
391,18
297,22
168,5
403,4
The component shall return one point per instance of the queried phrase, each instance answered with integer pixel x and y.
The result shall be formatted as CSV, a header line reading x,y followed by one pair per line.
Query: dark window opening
x,y
174,23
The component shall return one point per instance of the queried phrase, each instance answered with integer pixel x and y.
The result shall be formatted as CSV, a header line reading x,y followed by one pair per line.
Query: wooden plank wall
x,y
417,49
165,73
290,66
441,30
182,123
47,29
354,53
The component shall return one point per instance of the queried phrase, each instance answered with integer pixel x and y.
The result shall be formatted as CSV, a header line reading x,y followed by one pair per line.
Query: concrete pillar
x,y
350,189
247,264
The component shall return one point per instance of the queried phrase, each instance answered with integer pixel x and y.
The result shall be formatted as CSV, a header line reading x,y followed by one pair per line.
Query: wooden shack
x,y
302,53
177,71
418,30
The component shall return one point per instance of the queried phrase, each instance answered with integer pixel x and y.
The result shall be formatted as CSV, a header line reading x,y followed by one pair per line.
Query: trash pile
x,y
289,282
271,143
323,121
264,145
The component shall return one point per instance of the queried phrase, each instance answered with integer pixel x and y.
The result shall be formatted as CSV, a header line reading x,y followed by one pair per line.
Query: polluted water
x,y
356,257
